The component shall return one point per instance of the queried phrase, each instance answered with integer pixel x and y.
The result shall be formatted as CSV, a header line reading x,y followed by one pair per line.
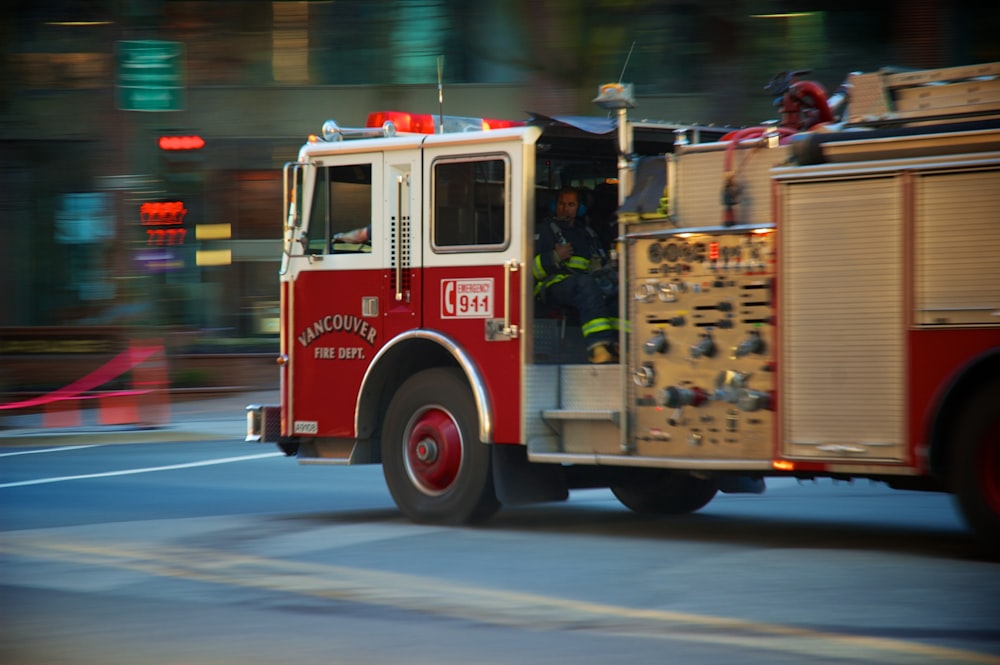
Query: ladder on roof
x,y
928,95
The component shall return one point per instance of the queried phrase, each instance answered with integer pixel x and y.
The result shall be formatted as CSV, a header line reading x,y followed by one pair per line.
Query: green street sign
x,y
151,99
150,75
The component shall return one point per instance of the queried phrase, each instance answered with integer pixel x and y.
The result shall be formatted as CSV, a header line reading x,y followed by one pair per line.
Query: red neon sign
x,y
166,218
160,237
162,213
181,143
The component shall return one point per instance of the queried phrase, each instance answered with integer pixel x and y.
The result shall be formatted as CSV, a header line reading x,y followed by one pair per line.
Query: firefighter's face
x,y
566,206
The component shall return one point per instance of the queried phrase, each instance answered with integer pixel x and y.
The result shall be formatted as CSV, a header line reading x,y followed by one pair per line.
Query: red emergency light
x,y
424,123
181,143
494,123
417,123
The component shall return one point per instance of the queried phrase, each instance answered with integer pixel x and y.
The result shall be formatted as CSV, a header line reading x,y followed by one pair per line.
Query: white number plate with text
x,y
467,298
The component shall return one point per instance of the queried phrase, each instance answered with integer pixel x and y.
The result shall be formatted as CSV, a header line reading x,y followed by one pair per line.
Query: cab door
x,y
333,290
474,276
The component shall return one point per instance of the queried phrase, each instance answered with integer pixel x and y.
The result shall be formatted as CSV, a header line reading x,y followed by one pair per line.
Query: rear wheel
x,y
975,471
437,469
664,492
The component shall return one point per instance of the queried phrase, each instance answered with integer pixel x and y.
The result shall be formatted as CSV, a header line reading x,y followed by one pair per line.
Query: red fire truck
x,y
815,297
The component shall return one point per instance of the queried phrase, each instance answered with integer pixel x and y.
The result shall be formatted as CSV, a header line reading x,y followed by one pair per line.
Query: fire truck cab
x,y
814,297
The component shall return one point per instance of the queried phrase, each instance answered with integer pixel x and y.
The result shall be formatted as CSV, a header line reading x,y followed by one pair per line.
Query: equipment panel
x,y
702,343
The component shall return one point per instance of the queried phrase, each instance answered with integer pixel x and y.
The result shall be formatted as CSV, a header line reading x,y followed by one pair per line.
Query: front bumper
x,y
263,423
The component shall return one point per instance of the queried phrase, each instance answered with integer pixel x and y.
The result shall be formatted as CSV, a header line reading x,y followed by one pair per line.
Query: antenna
x,y
440,64
627,58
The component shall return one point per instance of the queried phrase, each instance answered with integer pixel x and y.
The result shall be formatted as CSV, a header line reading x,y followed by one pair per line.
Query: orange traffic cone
x,y
62,413
118,409
150,376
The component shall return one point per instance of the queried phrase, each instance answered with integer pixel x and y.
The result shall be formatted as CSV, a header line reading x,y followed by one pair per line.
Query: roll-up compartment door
x,y
956,249
842,362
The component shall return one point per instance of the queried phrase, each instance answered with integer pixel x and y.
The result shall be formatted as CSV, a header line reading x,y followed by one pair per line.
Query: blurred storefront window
x,y
259,76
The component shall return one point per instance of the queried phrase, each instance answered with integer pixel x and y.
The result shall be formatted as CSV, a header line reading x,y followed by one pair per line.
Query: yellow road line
x,y
495,606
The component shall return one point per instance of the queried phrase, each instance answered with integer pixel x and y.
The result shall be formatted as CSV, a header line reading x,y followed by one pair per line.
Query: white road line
x,y
511,608
50,450
128,472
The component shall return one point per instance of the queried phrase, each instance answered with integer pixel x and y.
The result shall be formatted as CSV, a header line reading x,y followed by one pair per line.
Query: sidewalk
x,y
192,418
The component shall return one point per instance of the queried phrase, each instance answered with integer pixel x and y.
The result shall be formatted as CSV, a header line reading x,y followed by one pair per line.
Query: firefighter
x,y
571,269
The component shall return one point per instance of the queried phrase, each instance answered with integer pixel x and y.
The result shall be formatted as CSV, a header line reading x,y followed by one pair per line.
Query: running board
x,y
554,457
601,415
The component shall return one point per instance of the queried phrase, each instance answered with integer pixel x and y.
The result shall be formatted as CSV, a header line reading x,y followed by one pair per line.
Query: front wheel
x,y
437,469
664,492
975,471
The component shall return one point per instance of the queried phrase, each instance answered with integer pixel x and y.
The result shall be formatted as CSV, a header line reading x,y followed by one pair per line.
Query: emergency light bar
x,y
428,123
387,123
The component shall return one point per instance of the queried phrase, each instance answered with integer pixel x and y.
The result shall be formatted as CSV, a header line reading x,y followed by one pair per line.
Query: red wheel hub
x,y
434,451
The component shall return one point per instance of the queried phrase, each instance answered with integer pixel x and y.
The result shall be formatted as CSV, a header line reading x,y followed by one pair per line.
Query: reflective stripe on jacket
x,y
546,269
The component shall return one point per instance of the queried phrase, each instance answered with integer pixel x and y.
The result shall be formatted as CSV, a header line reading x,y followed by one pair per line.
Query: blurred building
x,y
91,86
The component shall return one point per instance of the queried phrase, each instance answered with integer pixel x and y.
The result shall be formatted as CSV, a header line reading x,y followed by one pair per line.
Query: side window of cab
x,y
471,204
341,203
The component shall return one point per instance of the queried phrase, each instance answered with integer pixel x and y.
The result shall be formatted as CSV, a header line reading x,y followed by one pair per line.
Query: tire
x,y
436,468
975,469
664,492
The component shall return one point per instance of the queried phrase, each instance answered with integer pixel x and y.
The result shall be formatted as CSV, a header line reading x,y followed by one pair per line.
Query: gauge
x,y
695,253
655,253
671,252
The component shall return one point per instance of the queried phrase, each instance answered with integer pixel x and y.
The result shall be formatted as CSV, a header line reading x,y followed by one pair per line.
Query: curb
x,y
103,437
214,414
176,394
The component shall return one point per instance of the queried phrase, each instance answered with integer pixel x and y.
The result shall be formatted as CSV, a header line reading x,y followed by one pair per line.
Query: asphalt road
x,y
218,551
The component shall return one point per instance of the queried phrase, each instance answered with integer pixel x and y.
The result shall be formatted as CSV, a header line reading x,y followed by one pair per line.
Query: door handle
x,y
510,267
